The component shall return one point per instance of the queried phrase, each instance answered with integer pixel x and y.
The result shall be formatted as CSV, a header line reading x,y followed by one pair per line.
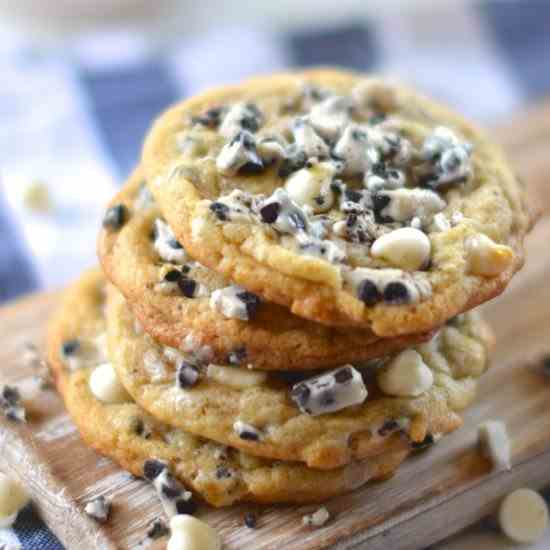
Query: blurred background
x,y
81,82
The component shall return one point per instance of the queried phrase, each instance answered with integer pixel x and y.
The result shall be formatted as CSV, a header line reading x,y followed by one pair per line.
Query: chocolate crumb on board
x,y
157,529
251,520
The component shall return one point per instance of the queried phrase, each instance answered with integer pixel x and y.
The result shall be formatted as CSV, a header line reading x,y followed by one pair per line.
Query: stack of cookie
x,y
290,273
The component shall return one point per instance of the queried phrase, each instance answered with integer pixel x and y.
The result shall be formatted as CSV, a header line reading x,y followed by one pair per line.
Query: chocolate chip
x,y
115,217
388,427
255,166
249,435
343,375
377,119
152,469
210,119
172,276
546,363
187,375
187,286
368,292
251,301
270,212
157,529
186,506
251,520
396,293
337,186
70,347
220,210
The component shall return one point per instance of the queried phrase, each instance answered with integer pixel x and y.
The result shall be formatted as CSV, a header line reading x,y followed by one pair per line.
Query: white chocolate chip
x,y
353,148
494,442
487,258
317,519
99,509
236,377
311,187
13,499
523,516
189,533
407,248
106,386
406,375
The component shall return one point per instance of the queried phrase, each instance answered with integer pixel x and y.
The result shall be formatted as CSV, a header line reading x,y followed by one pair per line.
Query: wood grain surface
x,y
433,494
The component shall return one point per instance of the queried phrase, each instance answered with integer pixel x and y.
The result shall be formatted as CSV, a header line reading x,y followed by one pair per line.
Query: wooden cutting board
x,y
433,494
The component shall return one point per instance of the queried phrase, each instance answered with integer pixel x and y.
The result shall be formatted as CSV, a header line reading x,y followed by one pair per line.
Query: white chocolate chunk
x,y
13,499
236,153
106,386
271,149
406,375
330,116
308,140
235,119
353,148
523,516
487,258
317,519
494,442
189,533
311,187
404,204
236,377
166,244
154,365
330,392
407,248
99,509
440,223
226,301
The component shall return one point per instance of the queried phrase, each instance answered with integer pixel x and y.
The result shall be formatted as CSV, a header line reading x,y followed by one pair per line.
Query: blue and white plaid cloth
x,y
76,119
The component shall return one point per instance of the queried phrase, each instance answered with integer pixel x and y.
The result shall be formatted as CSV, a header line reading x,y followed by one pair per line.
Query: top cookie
x,y
350,200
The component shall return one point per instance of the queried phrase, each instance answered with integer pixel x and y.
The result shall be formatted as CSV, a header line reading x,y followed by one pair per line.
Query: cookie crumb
x,y
317,519
251,520
36,197
99,509
13,498
495,444
157,529
10,404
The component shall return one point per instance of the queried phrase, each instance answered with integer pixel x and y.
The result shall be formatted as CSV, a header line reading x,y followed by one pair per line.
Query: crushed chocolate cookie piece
x,y
222,472
157,529
296,160
115,217
173,497
99,509
70,347
388,427
235,303
330,392
209,119
237,357
220,210
426,443
247,431
239,156
187,286
368,293
166,245
187,375
317,519
251,520
10,404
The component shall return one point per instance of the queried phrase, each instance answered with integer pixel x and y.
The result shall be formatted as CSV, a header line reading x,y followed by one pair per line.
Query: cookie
x,y
126,434
351,200
326,420
188,306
